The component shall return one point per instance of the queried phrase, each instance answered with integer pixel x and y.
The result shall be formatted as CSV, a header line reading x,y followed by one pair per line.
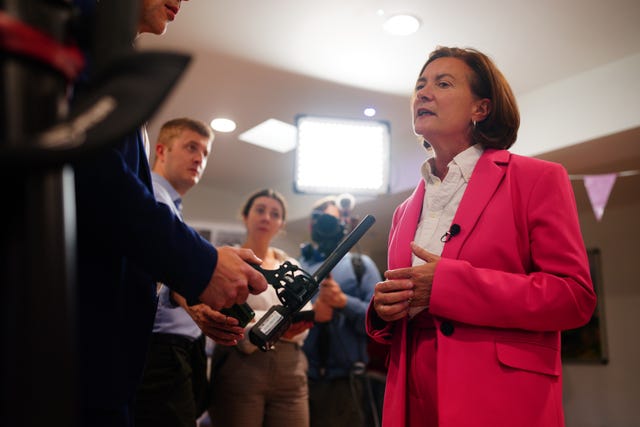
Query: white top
x,y
262,302
441,201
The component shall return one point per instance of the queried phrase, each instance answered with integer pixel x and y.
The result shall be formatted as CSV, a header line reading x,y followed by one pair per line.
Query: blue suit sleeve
x,y
121,214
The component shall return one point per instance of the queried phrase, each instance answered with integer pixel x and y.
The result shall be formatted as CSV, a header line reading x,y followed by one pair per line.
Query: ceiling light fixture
x,y
369,111
223,125
337,155
272,134
401,25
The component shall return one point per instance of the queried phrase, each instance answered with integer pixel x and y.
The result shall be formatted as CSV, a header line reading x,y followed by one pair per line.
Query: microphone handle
x,y
343,247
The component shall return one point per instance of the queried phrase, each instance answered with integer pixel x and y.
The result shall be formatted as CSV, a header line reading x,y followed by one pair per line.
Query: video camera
x,y
327,230
294,287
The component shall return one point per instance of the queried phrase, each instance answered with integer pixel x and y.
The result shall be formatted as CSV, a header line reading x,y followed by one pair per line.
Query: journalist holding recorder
x,y
251,387
486,263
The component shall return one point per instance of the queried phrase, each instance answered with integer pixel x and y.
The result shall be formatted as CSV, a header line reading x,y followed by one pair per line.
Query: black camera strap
x,y
358,267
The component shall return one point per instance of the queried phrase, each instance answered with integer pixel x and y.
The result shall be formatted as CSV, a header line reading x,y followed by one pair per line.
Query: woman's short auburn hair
x,y
500,128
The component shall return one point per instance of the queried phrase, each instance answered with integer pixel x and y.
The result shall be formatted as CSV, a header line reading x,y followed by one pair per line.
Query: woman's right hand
x,y
391,299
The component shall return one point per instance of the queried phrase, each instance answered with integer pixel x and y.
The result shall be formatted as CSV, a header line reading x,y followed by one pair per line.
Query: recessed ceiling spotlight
x,y
223,125
401,25
369,111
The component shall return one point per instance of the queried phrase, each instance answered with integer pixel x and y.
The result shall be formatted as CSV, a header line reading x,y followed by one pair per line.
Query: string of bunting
x,y
599,188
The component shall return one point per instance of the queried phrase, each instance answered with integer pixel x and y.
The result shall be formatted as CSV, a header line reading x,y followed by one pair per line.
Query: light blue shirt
x,y
169,318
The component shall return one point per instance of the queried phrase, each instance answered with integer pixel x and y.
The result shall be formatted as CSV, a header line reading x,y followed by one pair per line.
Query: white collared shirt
x,y
441,201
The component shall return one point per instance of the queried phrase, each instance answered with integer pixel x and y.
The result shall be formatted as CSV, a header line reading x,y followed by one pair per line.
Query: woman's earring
x,y
474,123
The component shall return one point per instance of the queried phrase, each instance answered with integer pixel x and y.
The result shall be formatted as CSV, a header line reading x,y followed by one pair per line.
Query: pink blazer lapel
x,y
405,223
485,179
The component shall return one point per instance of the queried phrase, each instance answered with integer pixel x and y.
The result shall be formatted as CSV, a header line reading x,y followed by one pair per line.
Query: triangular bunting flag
x,y
598,189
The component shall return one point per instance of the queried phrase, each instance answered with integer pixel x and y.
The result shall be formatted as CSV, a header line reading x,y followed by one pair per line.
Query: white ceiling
x,y
256,59
534,43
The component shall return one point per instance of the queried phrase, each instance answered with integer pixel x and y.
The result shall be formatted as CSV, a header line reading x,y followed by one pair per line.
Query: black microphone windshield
x,y
454,230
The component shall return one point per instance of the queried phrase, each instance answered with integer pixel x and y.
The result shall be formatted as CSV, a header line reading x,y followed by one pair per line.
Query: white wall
x,y
609,395
585,106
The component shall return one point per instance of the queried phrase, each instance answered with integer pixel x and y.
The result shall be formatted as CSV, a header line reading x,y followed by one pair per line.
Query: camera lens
x,y
326,231
327,226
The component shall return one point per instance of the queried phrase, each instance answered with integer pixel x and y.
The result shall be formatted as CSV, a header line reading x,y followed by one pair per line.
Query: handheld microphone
x,y
454,230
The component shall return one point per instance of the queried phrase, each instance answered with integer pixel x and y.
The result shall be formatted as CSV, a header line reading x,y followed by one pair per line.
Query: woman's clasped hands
x,y
406,287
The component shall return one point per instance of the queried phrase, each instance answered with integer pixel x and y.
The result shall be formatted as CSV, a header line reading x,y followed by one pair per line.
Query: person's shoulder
x,y
356,255
521,162
539,167
366,258
281,256
161,192
368,262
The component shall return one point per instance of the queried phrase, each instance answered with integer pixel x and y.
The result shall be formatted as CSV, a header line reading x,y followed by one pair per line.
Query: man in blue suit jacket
x,y
126,243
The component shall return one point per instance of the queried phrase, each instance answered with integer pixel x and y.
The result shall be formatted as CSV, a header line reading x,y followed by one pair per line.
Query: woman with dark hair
x,y
486,263
251,388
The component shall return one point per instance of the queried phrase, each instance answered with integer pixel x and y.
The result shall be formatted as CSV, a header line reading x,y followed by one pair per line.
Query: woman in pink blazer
x,y
486,264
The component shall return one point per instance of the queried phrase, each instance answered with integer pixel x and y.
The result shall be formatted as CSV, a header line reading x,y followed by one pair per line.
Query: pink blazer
x,y
515,275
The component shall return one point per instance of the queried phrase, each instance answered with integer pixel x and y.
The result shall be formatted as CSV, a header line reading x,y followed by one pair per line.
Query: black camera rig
x,y
294,287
